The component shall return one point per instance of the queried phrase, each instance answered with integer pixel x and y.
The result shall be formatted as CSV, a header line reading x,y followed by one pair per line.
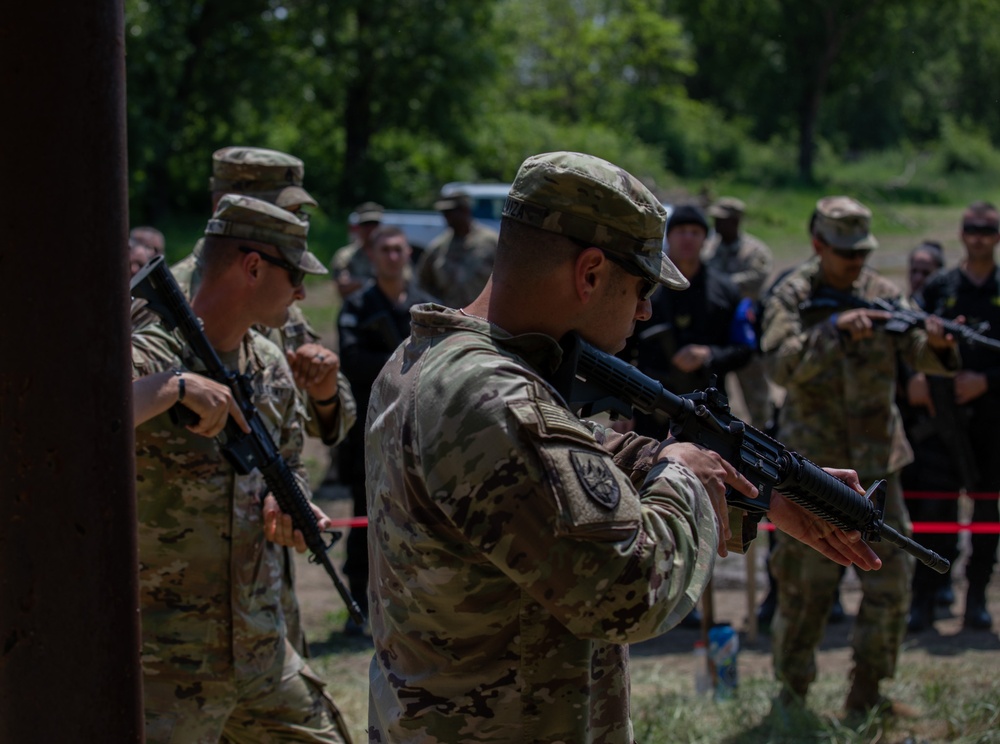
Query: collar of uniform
x,y
540,351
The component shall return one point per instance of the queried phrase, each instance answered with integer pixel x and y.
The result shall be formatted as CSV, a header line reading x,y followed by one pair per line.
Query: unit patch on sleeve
x,y
596,478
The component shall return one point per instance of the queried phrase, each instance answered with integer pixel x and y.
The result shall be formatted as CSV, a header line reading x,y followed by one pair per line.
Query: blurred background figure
x,y
350,268
149,237
139,254
372,323
457,263
748,262
972,290
932,437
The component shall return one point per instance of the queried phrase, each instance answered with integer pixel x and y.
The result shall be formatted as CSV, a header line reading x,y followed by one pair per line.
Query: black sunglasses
x,y
849,254
648,286
295,274
979,229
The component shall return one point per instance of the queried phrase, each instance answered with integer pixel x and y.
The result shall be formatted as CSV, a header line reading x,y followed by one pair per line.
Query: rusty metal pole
x,y
69,622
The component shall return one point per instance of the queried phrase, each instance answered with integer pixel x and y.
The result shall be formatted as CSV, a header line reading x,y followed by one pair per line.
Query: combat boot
x,y
977,617
921,612
864,698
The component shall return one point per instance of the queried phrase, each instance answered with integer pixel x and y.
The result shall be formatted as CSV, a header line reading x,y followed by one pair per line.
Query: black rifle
x,y
592,381
901,319
245,452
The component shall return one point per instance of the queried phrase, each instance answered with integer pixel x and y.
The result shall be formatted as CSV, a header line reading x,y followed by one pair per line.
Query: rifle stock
x,y
592,381
244,452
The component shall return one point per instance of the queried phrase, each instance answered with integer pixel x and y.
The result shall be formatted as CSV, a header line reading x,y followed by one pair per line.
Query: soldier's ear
x,y
589,270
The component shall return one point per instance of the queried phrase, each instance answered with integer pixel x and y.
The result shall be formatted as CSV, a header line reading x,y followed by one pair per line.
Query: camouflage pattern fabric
x,y
352,259
840,404
840,409
807,583
259,712
210,584
455,269
514,549
747,262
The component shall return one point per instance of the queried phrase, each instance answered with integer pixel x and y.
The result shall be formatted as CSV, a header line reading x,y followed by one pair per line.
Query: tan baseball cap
x,y
266,174
843,222
591,200
240,216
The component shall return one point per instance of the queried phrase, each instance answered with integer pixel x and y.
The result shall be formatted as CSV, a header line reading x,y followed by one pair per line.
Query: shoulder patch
x,y
556,419
596,477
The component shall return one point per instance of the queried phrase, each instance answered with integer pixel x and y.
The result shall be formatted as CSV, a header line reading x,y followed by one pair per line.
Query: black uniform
x,y
704,314
950,294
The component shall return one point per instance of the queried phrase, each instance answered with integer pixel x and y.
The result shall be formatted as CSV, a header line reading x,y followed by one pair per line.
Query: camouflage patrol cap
x,y
367,212
266,174
842,222
590,200
453,200
239,216
727,207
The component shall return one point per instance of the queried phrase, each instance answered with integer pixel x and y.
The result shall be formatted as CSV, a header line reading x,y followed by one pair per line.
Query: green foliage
x,y
965,148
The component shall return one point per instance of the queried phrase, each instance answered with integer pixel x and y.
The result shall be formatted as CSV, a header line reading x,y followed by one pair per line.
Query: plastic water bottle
x,y
702,683
723,647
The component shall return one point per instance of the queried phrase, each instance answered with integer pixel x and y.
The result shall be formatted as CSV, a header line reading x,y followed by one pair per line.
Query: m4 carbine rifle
x,y
901,319
245,452
592,381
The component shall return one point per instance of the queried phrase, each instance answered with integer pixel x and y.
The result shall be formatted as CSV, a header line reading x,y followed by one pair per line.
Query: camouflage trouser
x,y
289,705
756,391
806,585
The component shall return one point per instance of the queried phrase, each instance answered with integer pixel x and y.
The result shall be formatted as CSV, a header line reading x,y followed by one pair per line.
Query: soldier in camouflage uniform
x,y
217,663
748,262
350,268
458,262
277,178
839,368
515,549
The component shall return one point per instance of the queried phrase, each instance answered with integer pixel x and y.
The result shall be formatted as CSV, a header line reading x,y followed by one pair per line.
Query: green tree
x,y
385,65
200,75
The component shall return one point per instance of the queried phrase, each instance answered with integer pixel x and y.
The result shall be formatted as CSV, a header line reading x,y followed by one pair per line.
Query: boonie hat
x,y
842,222
593,201
727,207
240,216
267,174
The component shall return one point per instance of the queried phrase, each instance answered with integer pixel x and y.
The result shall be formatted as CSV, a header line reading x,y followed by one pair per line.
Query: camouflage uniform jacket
x,y
514,549
352,259
454,269
289,337
210,584
747,262
840,405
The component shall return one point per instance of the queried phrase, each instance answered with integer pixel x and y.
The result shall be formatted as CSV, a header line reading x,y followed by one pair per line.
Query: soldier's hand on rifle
x,y
211,401
839,546
860,322
278,525
715,474
937,337
315,369
691,357
969,385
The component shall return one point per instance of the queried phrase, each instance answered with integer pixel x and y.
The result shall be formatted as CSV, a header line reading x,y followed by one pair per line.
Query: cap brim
x,y
304,260
662,270
445,204
294,196
865,243
722,213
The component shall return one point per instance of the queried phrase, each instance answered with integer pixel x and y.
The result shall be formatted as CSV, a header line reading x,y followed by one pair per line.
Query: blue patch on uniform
x,y
596,477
